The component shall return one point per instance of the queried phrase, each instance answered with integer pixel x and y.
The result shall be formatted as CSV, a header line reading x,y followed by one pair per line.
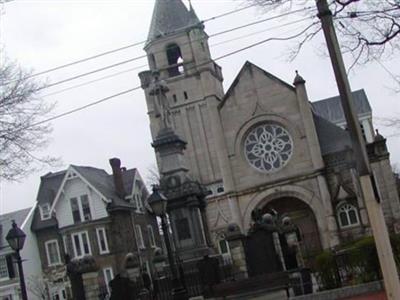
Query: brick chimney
x,y
117,175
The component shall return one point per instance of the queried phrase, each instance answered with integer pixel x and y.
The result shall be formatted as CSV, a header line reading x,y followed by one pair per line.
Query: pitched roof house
x,y
9,278
84,211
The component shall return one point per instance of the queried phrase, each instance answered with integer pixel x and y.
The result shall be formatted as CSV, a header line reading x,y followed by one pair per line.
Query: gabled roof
x,y
170,16
248,66
331,108
6,220
331,138
102,182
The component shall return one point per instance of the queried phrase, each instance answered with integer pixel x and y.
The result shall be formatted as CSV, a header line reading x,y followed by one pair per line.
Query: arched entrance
x,y
303,217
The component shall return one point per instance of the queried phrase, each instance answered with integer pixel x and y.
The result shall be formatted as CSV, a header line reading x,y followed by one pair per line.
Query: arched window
x,y
223,249
347,215
152,61
175,60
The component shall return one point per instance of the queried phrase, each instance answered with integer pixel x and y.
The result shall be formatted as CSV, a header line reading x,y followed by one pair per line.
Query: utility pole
x,y
375,214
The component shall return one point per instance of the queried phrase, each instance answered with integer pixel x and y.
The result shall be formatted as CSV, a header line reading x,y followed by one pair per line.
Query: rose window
x,y
268,147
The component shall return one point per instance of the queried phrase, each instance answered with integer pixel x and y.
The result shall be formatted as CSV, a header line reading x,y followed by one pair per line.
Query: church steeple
x,y
170,16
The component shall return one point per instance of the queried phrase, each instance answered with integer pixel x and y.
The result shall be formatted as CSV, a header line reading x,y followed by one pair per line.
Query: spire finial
x,y
378,136
298,79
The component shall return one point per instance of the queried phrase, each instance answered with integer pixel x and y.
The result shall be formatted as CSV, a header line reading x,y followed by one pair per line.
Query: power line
x,y
95,80
229,13
260,31
84,60
138,87
129,45
264,20
141,42
144,56
142,66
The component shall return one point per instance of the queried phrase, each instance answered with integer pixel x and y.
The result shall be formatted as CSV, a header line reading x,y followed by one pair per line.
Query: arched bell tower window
x,y
152,61
175,60
347,215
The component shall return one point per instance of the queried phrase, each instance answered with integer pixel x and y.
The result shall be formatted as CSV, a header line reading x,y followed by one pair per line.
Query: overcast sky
x,y
45,34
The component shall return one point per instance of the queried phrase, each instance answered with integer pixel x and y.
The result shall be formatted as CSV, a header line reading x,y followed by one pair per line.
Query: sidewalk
x,y
374,296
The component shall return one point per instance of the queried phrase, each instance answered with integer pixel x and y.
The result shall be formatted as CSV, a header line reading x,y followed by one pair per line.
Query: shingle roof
x,y
331,138
100,179
49,185
331,108
170,16
6,220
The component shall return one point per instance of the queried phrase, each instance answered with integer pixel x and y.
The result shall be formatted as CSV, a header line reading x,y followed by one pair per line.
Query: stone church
x,y
262,144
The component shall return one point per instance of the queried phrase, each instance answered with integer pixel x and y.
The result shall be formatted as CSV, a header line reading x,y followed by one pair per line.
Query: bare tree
x,y
368,30
38,286
153,176
21,109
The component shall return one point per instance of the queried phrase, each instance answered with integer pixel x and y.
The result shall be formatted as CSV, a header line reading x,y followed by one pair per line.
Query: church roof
x,y
331,138
248,66
170,16
331,108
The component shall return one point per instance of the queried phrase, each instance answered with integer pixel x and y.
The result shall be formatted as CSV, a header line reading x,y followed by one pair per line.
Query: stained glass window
x,y
268,147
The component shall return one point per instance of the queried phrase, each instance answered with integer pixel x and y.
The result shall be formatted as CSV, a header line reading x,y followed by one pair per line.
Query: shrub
x,y
326,270
357,260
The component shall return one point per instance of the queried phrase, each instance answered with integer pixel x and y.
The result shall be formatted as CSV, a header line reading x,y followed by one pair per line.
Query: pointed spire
x,y
170,16
378,136
298,79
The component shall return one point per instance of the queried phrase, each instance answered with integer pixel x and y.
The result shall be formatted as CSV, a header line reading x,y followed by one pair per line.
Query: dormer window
x,y
45,211
80,209
175,60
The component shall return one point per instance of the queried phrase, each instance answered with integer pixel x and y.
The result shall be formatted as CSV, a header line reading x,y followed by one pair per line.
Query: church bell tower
x,y
179,56
183,88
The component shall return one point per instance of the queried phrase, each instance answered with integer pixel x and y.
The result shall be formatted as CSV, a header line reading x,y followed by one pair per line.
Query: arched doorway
x,y
303,217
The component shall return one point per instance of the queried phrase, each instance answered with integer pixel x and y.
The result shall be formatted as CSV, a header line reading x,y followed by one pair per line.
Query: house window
x,y
81,209
58,294
108,276
185,95
139,237
347,215
45,211
80,242
139,203
52,252
3,268
65,242
102,240
150,232
220,190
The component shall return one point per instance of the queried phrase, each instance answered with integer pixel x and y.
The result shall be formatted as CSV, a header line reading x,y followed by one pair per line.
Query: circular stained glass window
x,y
268,147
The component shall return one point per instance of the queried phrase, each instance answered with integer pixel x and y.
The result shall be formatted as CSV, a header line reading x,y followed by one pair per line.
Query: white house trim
x,y
28,216
60,190
46,245
101,232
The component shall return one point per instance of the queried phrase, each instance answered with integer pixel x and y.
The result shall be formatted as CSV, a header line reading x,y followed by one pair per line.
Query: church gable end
x,y
257,99
255,92
249,69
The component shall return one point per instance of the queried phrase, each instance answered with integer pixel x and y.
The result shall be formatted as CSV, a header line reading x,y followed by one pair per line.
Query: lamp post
x,y
158,204
16,239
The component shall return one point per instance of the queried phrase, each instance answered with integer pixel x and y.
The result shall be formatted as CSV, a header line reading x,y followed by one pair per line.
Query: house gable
x,y
75,185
